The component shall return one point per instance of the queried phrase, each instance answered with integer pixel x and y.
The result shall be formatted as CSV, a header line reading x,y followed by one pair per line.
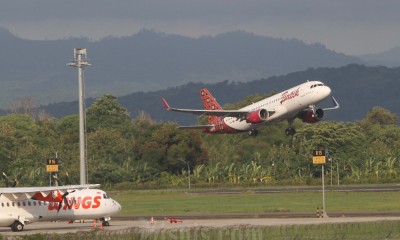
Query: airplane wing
x,y
225,113
21,193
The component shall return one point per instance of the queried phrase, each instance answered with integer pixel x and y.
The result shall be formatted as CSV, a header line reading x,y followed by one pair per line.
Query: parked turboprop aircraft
x,y
20,206
297,102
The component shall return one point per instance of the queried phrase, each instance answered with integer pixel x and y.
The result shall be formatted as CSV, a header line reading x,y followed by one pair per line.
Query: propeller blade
x,y
65,200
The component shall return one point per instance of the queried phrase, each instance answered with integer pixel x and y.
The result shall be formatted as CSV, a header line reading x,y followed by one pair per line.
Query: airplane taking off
x,y
297,102
20,206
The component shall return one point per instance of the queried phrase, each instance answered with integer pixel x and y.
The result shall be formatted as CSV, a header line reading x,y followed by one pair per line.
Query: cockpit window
x,y
315,85
105,196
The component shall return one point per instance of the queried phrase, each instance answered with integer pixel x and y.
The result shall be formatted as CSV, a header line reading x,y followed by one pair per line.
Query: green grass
x,y
182,202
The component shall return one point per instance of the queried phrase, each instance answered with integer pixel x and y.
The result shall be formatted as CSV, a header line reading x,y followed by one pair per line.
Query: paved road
x,y
64,227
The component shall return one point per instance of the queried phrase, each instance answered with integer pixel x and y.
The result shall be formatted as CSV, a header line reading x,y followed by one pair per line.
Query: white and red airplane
x,y
297,102
20,206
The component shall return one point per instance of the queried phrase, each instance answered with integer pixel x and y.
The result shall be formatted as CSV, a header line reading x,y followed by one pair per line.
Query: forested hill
x,y
357,88
149,61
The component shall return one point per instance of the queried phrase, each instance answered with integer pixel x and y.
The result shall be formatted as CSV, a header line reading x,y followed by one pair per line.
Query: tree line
x,y
140,152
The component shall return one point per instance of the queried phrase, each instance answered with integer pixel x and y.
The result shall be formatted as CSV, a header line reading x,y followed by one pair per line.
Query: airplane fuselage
x,y
282,106
82,204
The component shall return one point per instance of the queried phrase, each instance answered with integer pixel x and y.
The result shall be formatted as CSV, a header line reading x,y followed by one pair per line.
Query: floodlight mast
x,y
80,61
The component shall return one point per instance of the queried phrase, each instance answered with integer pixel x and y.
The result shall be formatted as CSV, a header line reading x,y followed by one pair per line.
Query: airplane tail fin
x,y
209,103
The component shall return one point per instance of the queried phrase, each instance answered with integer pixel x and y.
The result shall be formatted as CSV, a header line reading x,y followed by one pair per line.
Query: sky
x,y
352,27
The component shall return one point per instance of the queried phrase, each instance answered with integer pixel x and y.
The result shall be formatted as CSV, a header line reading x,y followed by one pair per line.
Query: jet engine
x,y
258,116
309,116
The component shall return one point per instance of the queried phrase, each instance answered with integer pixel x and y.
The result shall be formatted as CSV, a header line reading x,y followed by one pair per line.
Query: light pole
x,y
188,167
273,166
337,170
188,173
331,160
80,61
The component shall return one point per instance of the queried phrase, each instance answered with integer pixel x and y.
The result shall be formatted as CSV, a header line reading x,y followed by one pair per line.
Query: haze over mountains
x,y
149,61
389,58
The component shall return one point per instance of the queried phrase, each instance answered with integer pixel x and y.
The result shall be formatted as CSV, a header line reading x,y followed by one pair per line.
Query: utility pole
x,y
80,61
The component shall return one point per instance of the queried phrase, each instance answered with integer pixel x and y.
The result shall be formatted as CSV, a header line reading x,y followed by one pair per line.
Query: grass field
x,y
183,202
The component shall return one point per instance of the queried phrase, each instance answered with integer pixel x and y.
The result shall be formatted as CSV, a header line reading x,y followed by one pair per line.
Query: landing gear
x,y
253,132
290,131
105,221
17,226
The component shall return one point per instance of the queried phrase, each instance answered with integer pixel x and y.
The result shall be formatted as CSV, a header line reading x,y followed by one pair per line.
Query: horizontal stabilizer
x,y
197,127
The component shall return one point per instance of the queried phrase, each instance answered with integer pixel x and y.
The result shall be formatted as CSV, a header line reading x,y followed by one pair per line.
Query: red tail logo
x,y
209,103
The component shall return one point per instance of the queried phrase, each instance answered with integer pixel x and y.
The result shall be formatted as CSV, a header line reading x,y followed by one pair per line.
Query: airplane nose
x,y
326,91
117,206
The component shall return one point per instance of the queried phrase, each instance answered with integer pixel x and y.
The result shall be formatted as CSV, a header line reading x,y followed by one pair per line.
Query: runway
x,y
159,224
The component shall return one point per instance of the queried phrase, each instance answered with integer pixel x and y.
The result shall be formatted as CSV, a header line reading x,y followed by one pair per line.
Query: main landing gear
x,y
253,132
290,131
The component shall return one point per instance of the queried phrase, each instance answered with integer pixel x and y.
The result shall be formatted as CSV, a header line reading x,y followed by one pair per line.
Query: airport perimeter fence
x,y
366,231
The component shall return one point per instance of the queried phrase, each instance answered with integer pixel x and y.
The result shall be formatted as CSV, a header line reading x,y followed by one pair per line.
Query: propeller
x,y
65,200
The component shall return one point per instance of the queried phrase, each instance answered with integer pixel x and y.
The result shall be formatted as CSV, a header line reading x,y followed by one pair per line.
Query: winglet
x,y
166,105
335,103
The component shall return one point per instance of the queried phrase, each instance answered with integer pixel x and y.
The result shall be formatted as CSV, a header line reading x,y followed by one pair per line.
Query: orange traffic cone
x,y
152,220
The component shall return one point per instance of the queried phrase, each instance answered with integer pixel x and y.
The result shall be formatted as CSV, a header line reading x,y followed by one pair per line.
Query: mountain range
x,y
149,61
357,88
389,58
